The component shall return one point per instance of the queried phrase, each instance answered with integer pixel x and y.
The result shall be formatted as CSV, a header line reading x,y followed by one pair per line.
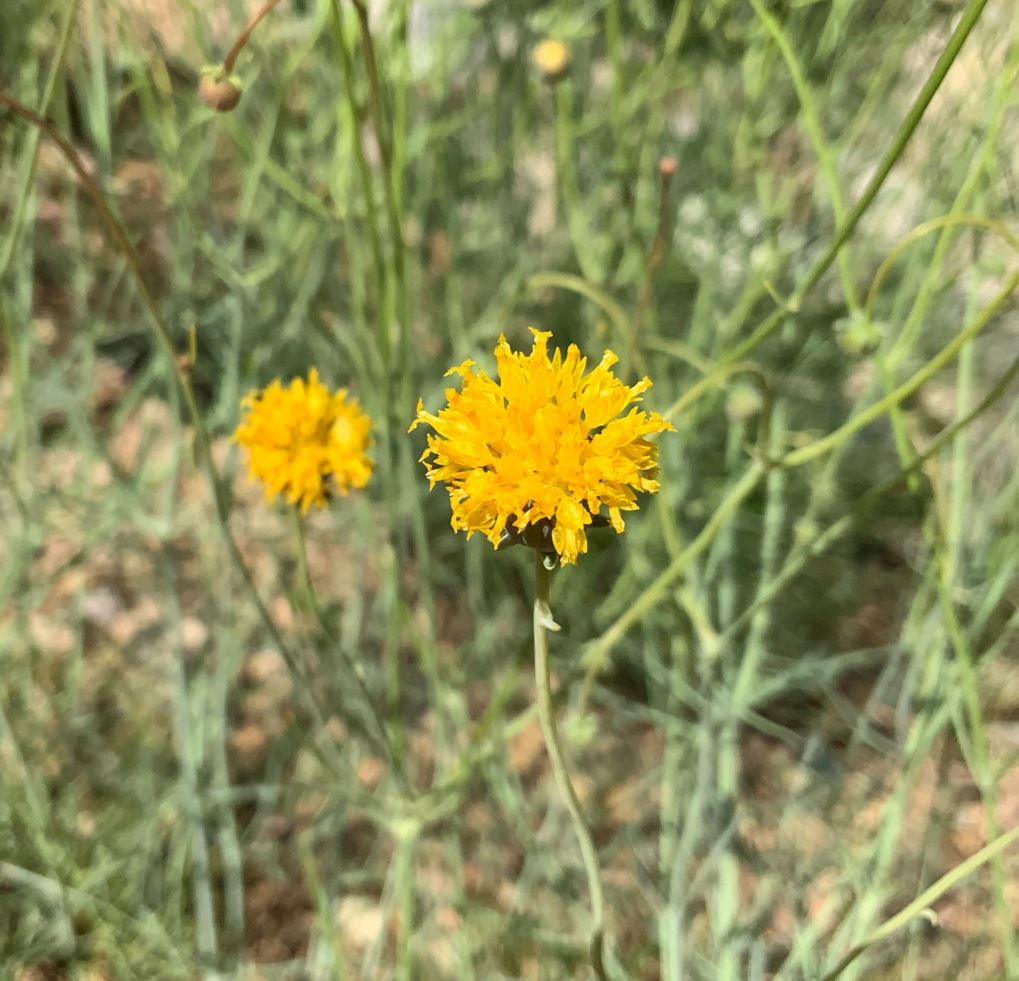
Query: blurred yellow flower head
x,y
304,441
551,58
536,455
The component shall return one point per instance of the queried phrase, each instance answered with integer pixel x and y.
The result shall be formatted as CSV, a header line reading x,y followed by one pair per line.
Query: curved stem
x,y
364,174
243,37
543,622
927,898
586,289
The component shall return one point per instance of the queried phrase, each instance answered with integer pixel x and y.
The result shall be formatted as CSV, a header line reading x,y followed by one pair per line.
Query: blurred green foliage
x,y
174,804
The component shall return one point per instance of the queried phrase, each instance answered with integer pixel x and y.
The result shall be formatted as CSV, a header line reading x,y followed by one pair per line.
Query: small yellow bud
x,y
551,58
219,91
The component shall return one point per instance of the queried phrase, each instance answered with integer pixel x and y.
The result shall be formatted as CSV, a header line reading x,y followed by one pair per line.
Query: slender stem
x,y
582,287
201,885
245,35
403,874
542,623
659,247
815,131
17,221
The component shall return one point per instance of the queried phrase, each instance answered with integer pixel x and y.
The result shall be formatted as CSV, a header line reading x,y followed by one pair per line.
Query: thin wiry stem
x,y
659,250
543,622
245,35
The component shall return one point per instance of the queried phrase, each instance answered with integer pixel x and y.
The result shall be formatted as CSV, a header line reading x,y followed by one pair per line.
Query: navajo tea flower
x,y
541,451
300,436
552,59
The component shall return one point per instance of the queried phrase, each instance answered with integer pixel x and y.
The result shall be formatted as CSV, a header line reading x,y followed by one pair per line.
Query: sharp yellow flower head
x,y
304,441
536,455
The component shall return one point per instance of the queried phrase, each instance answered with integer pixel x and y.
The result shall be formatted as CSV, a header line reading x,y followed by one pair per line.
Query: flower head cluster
x,y
539,452
304,441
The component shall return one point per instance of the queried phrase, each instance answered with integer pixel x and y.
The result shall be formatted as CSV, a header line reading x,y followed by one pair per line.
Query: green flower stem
x,y
575,284
654,260
17,220
543,622
975,177
391,185
922,231
403,888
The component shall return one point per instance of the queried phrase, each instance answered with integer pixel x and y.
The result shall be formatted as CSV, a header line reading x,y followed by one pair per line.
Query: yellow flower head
x,y
552,58
299,436
536,455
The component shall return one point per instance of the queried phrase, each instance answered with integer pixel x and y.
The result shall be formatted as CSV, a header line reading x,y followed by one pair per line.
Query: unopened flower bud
x,y
218,91
668,166
552,59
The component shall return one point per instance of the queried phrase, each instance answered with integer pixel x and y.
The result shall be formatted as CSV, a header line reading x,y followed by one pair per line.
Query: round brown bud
x,y
551,58
219,92
668,166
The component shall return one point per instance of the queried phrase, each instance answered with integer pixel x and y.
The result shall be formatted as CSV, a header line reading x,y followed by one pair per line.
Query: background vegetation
x,y
791,691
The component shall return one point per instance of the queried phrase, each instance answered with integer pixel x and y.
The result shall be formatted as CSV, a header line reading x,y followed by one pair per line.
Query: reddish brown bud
x,y
219,92
668,166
